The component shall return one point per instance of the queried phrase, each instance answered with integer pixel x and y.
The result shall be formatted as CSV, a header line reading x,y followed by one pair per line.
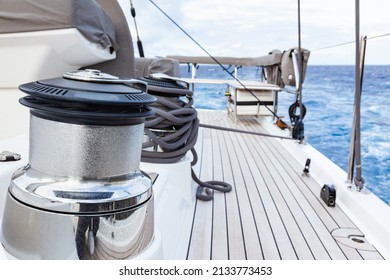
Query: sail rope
x,y
359,180
216,61
173,131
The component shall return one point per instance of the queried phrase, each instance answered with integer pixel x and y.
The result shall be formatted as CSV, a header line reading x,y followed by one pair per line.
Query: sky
x,y
252,28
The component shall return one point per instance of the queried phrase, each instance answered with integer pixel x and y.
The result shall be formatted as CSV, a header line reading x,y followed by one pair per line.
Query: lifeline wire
x,y
350,42
215,60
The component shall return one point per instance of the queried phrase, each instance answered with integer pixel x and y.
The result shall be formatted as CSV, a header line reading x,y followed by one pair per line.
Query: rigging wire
x,y
215,60
359,180
298,129
181,137
350,42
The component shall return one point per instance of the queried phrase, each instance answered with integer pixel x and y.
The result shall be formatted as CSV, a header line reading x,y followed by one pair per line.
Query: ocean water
x,y
328,94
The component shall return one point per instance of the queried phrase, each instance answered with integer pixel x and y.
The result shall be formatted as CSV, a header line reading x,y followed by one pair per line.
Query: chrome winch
x,y
82,195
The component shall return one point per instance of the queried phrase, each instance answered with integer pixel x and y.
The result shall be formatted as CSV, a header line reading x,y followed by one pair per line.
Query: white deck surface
x,y
273,212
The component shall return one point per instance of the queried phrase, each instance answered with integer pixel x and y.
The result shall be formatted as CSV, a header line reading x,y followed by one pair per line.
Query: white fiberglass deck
x,y
273,212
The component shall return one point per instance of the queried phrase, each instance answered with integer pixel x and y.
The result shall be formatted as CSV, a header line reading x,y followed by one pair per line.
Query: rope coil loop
x,y
172,132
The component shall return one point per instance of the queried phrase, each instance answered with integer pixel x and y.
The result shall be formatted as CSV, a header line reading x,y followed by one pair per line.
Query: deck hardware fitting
x,y
328,195
9,156
306,170
357,239
353,238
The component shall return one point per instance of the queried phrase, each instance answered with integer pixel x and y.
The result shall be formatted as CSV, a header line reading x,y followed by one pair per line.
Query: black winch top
x,y
89,97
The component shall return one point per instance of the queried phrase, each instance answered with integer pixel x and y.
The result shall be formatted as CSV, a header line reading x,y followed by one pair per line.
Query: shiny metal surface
x,y
30,233
93,75
73,195
85,151
82,195
90,75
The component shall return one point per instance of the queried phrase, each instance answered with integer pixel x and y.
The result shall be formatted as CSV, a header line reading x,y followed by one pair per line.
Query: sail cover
x,y
37,15
272,58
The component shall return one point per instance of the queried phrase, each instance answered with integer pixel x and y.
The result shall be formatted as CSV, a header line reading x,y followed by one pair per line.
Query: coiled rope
x,y
174,129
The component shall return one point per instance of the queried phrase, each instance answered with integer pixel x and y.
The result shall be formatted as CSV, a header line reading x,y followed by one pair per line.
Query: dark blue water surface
x,y
328,93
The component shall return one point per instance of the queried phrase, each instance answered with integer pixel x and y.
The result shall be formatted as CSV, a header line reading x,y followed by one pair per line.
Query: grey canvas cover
x,y
35,15
287,66
272,58
123,64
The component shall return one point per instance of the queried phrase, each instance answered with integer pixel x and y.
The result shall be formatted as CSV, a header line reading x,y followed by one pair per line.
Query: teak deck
x,y
273,212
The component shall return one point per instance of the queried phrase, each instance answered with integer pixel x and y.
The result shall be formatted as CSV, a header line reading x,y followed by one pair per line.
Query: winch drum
x,y
82,195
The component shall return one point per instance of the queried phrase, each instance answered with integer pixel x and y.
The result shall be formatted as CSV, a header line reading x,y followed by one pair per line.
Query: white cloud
x,y
254,27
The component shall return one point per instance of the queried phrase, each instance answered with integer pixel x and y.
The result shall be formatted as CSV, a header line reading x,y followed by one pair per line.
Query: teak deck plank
x,y
272,212
236,245
200,245
219,240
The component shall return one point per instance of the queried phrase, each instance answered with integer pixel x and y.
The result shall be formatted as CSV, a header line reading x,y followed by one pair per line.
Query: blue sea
x,y
328,94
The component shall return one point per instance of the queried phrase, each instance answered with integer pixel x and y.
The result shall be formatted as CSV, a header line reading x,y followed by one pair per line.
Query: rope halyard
x,y
226,69
172,132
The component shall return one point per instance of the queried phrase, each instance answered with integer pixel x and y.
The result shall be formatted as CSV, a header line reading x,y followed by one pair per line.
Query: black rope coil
x,y
174,129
